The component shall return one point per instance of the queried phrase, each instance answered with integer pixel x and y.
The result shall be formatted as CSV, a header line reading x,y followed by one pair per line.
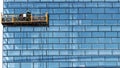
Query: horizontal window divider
x,y
59,31
58,43
66,49
68,56
57,37
66,1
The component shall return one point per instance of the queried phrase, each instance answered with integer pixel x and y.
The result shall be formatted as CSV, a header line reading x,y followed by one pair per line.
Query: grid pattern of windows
x,y
80,34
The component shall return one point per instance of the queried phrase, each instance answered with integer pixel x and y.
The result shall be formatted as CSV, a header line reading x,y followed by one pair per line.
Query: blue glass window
x,y
78,28
85,10
79,16
84,46
91,64
5,41
109,64
9,0
20,0
33,0
104,16
20,35
26,52
111,59
52,52
116,4
104,4
55,16
35,11
65,52
91,40
9,35
35,46
64,64
53,40
14,5
91,28
84,34
98,58
5,47
59,46
104,40
59,10
14,41
111,34
97,10
73,10
18,11
111,22
5,53
91,52
30,5
26,65
78,4
14,29
40,65
8,11
85,22
78,40
20,46
53,65
111,10
64,5
115,40
24,5
111,46
53,5
111,0
98,46
91,5
64,40
14,53
116,16
105,52
46,46
98,22
64,16
26,40
5,5
115,28
91,16
13,65
104,28
65,28
98,34
27,29
116,52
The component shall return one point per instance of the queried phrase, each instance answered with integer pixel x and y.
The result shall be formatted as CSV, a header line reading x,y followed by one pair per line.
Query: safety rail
x,y
25,19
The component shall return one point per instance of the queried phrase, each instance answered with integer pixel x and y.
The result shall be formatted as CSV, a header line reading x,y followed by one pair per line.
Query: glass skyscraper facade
x,y
81,33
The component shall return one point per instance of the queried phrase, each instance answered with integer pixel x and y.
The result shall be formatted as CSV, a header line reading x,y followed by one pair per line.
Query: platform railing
x,y
24,18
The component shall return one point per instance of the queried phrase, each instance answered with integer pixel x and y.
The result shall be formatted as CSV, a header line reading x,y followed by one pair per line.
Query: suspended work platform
x,y
25,20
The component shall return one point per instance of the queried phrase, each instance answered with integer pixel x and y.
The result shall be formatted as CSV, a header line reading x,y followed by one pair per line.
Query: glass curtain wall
x,y
80,34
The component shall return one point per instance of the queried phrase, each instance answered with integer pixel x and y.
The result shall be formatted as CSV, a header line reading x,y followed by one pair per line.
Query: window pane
x,y
26,65
13,65
40,65
20,0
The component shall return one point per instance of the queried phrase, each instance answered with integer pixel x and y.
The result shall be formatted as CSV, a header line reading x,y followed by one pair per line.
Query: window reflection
x,y
20,0
26,65
33,0
13,65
